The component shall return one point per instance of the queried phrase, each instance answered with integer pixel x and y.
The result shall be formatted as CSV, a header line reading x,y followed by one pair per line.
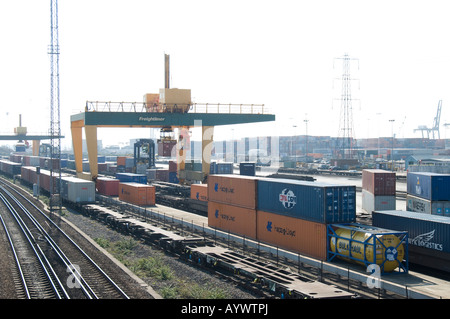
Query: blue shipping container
x,y
131,178
424,230
173,178
317,202
213,168
247,168
430,186
224,168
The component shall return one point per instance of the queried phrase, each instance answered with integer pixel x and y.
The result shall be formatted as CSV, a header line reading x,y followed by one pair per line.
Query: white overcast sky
x,y
278,53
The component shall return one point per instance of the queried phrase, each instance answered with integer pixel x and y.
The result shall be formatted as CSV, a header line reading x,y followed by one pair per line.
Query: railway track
x,y
50,263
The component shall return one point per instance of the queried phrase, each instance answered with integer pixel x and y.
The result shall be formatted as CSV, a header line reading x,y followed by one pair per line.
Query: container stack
x,y
131,178
378,190
247,168
428,193
173,177
125,163
232,204
290,214
295,214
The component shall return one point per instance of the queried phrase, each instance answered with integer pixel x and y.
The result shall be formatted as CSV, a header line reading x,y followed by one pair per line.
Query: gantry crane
x,y
435,127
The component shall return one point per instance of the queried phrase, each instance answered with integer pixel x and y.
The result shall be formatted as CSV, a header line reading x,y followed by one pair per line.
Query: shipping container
x,y
121,160
102,167
371,202
429,236
379,182
213,168
162,175
425,230
247,168
225,168
233,190
313,201
10,168
166,147
108,186
173,166
431,186
77,190
299,235
131,178
199,192
25,173
101,159
136,193
233,219
173,178
421,205
151,174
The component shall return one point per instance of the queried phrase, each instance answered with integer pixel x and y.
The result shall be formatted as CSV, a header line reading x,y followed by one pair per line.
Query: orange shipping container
x,y
299,235
121,160
136,193
237,190
199,192
236,220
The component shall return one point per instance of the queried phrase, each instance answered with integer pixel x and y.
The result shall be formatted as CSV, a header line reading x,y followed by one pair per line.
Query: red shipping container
x,y
108,186
237,190
121,160
236,220
102,167
299,235
138,194
162,175
25,173
378,181
173,166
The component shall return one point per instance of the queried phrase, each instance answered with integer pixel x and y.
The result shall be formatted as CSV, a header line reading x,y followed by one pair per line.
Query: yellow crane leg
x,y
91,142
207,146
181,152
77,145
36,145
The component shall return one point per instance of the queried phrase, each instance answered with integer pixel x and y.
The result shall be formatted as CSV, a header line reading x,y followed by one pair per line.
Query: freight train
x,y
308,217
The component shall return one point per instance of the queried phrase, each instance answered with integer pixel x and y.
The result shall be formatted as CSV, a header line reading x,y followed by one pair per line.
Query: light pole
x,y
392,147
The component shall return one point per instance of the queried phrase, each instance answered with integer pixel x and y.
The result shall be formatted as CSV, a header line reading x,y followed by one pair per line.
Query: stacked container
x,y
232,204
172,175
295,214
428,193
290,214
247,168
378,190
131,178
136,193
313,201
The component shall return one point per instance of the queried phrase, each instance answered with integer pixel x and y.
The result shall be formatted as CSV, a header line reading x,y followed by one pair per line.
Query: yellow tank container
x,y
359,245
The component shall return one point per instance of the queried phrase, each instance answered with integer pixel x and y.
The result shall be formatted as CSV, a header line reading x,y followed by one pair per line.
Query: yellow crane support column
x,y
181,152
36,145
91,142
207,145
77,144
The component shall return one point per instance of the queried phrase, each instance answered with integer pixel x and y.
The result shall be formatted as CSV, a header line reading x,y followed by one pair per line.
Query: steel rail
x,y
77,275
40,256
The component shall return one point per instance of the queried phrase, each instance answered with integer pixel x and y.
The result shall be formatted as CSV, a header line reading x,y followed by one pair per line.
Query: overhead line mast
x,y
55,124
